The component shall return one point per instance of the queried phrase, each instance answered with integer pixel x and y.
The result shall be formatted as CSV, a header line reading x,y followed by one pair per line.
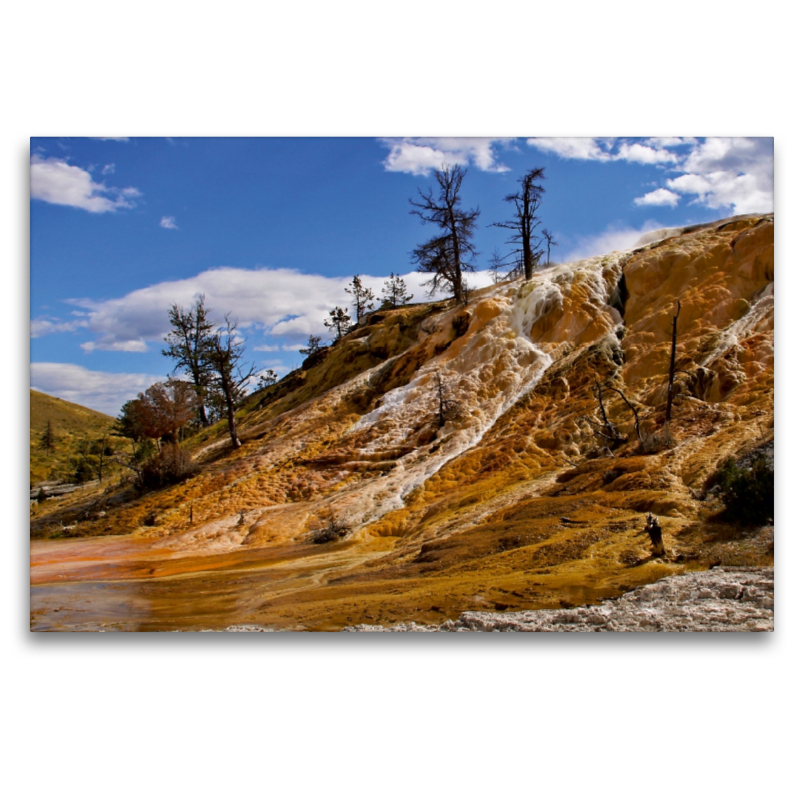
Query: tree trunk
x,y
458,286
229,404
671,385
527,256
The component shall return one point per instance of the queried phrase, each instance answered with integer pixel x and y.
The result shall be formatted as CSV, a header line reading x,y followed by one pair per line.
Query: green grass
x,y
71,425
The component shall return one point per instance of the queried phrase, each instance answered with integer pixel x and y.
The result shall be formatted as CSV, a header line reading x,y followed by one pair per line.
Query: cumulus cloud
x,y
603,149
102,391
727,172
168,223
41,326
613,238
420,155
55,181
735,174
583,148
658,197
266,303
642,154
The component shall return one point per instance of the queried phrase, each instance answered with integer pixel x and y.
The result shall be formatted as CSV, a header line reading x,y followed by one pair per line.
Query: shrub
x,y
656,441
172,464
748,494
332,532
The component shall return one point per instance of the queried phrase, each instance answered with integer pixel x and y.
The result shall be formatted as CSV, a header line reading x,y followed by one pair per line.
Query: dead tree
x,y
229,375
671,385
448,408
333,531
448,255
631,407
551,242
524,221
188,344
653,530
607,431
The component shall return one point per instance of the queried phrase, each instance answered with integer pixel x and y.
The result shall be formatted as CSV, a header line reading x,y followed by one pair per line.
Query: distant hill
x,y
70,424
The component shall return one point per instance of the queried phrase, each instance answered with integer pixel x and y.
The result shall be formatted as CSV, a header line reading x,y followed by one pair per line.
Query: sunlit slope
x,y
70,424
513,503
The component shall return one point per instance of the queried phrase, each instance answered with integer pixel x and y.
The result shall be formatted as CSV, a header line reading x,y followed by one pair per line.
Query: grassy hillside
x,y
71,424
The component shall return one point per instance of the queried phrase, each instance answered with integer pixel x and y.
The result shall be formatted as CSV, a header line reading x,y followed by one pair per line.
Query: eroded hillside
x,y
514,503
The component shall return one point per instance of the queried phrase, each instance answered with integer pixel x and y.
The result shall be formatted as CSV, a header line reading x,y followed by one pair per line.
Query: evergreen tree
x,y
47,440
267,378
312,347
394,292
339,322
362,297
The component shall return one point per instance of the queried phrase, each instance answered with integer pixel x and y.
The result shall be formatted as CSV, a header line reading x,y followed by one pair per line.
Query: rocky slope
x,y
515,503
722,599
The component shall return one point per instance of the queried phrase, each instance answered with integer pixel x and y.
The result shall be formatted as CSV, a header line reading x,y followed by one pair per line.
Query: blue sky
x,y
273,229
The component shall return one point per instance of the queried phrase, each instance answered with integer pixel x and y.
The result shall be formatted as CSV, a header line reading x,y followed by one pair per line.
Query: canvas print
x,y
402,384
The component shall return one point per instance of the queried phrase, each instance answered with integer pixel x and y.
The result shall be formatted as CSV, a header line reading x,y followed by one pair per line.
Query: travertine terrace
x,y
512,505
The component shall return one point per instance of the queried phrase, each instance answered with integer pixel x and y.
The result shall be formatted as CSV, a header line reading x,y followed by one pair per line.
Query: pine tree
x,y
267,378
47,440
394,292
339,322
312,347
362,297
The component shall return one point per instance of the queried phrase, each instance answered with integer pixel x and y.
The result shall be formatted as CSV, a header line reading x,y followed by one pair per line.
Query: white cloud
x,y
108,169
613,238
55,181
583,148
641,154
269,302
735,174
130,346
420,155
168,223
731,173
41,326
658,197
111,138
102,391
670,141
598,149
